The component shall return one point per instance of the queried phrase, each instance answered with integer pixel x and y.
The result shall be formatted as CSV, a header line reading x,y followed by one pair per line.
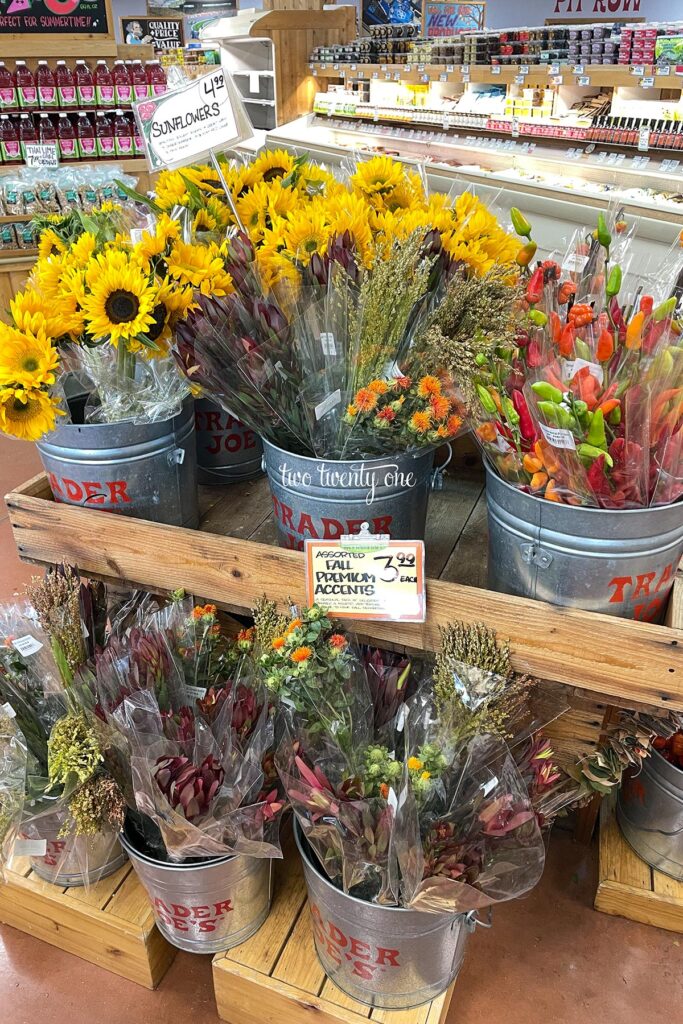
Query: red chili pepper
x,y
565,292
526,424
534,289
605,347
566,345
534,356
646,304
555,327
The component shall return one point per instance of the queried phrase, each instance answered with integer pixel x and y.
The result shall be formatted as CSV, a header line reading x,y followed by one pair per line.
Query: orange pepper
x,y
580,314
566,343
555,327
565,292
496,398
605,347
487,432
532,463
634,331
551,493
609,406
538,481
545,453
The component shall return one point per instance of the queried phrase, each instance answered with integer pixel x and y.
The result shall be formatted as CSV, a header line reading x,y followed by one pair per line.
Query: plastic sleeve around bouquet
x,y
13,772
486,847
141,659
207,798
154,391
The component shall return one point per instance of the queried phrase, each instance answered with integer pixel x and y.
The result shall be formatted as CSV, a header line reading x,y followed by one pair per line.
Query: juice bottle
x,y
46,129
123,87
87,144
46,85
138,144
26,87
104,85
104,135
27,132
10,150
85,85
8,89
156,78
66,137
140,84
123,135
66,85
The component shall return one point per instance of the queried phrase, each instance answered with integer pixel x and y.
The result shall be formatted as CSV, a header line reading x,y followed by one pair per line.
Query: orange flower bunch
x,y
408,414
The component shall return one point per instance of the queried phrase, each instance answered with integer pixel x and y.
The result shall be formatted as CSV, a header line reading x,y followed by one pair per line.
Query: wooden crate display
x,y
628,887
276,978
110,924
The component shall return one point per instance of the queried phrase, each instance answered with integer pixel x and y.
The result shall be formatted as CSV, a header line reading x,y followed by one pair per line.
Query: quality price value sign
x,y
189,123
367,577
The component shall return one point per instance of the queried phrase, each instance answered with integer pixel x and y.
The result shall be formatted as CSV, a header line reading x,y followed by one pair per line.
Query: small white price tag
x,y
577,69
368,577
424,78
466,78
375,74
397,76
450,68
383,67
196,692
465,69
328,404
407,67
375,117
30,847
638,70
443,77
353,67
583,80
663,69
519,79
515,127
558,437
553,69
557,80
575,262
524,69
387,76
420,67
8,710
27,645
647,83
644,139
327,337
495,69
570,368
41,154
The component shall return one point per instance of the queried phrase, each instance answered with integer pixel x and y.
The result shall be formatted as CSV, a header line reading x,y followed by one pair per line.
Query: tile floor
x,y
549,959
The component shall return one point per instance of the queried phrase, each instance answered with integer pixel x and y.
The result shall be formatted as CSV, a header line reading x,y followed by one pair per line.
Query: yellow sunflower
x,y
306,232
49,244
377,176
205,178
314,180
82,249
263,205
200,266
27,414
26,360
120,302
271,164
273,263
152,244
171,190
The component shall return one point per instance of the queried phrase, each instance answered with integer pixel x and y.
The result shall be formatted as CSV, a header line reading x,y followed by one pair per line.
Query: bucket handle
x,y
472,919
438,473
176,457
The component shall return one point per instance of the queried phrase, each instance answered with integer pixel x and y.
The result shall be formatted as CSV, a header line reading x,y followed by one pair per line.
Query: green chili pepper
x,y
614,418
582,349
556,414
613,282
486,399
480,359
547,391
665,309
590,452
604,237
520,223
596,431
538,318
511,414
580,408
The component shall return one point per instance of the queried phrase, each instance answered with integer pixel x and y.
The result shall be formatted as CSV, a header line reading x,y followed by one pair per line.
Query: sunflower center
x,y
311,245
30,364
20,408
121,306
158,321
274,172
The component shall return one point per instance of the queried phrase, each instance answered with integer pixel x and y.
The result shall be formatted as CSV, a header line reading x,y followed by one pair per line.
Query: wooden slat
x,y
298,965
618,862
604,654
467,563
418,1015
641,905
130,903
332,994
99,894
666,886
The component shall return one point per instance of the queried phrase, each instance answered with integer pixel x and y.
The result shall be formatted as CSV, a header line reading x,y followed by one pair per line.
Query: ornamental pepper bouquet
x,y
197,731
424,807
315,346
584,404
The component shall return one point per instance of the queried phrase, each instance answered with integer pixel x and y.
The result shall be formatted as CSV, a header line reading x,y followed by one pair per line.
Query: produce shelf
x,y
110,925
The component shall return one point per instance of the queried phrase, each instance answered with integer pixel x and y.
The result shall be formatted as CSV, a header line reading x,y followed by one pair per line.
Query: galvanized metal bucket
x,y
74,860
385,957
615,562
205,906
147,470
227,451
650,814
324,498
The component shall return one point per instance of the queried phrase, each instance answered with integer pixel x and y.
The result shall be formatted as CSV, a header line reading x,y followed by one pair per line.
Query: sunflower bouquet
x,y
315,347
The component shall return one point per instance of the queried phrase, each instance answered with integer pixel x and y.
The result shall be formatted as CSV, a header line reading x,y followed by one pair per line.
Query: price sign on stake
x,y
367,577
41,154
188,123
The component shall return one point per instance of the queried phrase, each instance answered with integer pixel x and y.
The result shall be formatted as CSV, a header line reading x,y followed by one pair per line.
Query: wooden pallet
x,y
276,978
629,887
110,924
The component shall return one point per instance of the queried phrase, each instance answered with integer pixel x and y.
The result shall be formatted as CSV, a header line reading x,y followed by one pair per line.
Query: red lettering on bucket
x,y
89,492
74,491
626,590
365,960
325,527
203,918
117,489
94,495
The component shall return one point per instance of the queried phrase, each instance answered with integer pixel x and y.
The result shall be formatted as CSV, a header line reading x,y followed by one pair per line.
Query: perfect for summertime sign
x,y
380,581
186,124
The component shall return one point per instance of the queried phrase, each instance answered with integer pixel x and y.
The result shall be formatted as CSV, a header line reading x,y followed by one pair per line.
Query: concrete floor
x,y
549,958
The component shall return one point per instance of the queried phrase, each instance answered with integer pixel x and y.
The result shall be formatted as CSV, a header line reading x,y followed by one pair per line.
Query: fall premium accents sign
x,y
46,17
